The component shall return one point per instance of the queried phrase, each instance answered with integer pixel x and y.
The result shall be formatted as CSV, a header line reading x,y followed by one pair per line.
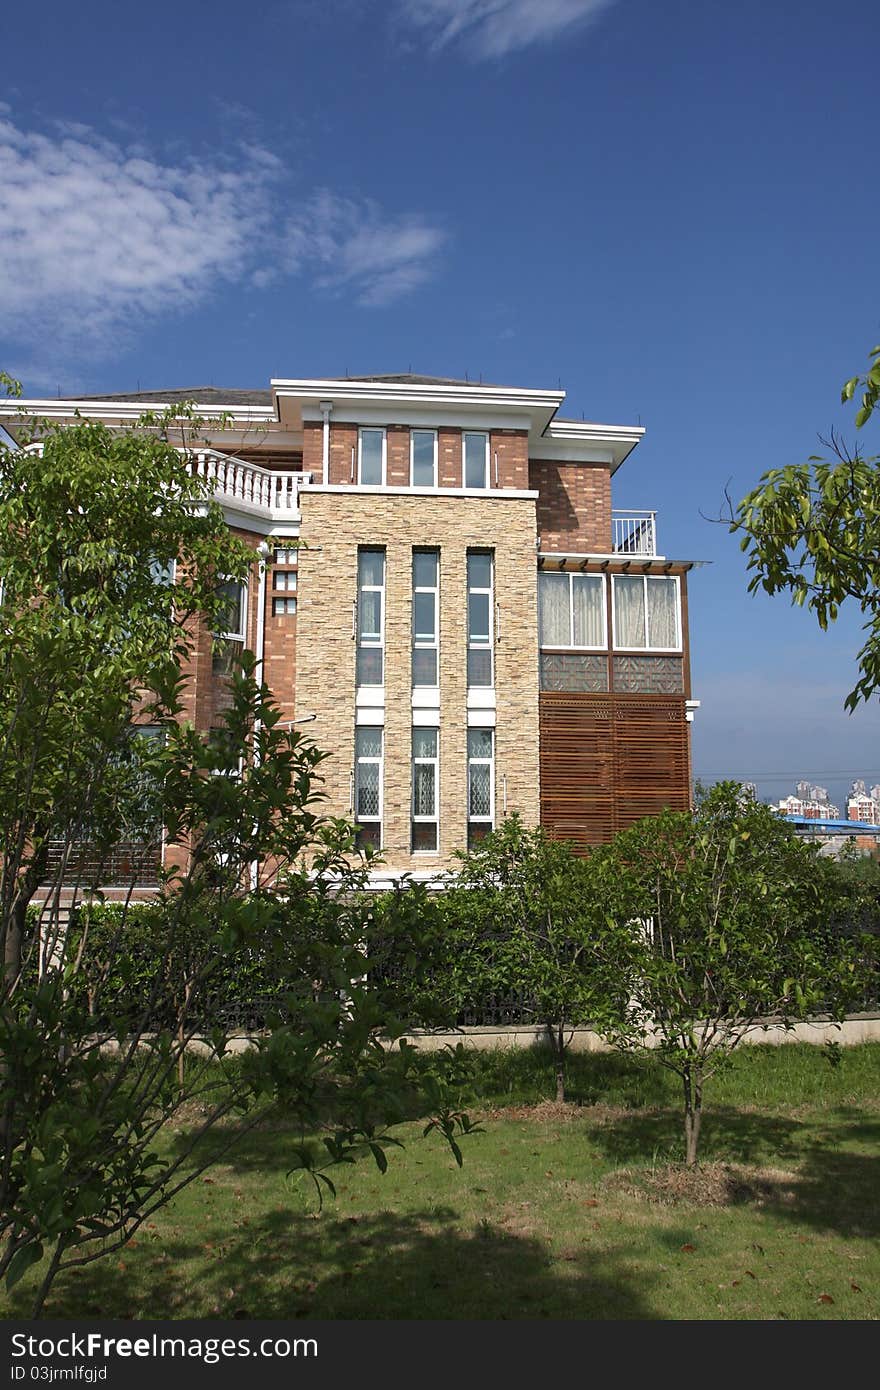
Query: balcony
x,y
634,533
246,487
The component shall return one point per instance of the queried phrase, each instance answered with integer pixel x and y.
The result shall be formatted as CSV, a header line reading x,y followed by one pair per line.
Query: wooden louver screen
x,y
608,760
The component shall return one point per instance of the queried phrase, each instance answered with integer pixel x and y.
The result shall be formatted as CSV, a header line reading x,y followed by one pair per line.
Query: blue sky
x,y
669,208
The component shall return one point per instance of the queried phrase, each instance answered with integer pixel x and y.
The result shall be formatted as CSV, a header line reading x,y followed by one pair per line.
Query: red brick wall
x,y
574,505
343,438
511,447
313,449
397,456
448,457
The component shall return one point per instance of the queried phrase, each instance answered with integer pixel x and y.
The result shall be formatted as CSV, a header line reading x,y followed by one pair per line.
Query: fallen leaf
x,y
688,1249
824,1298
855,1288
750,1274
590,1202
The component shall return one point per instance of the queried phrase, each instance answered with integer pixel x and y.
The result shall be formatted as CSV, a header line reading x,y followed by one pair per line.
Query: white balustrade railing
x,y
275,494
634,533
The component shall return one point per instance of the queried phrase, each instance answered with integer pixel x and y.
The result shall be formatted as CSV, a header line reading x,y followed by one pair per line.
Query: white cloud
x,y
96,238
354,246
492,28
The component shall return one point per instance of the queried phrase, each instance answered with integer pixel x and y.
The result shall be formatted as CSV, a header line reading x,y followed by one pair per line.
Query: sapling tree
x,y
728,912
523,918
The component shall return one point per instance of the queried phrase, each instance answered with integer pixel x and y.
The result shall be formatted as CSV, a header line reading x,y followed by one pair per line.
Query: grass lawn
x,y
574,1211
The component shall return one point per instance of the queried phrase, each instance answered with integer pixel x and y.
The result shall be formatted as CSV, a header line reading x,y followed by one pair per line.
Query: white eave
x,y
54,409
584,441
507,406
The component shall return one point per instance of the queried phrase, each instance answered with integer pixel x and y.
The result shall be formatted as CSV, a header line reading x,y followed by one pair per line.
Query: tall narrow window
x,y
230,639
479,577
425,576
370,617
368,787
646,613
371,457
425,781
476,459
481,784
571,610
423,458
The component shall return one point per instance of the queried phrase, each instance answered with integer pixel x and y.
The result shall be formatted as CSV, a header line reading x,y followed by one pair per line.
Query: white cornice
x,y
584,441
442,394
128,410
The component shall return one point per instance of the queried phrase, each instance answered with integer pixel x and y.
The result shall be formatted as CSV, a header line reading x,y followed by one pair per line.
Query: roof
x,y
201,395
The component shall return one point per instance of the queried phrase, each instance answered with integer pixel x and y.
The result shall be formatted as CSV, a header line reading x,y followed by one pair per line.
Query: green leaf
x,y
21,1262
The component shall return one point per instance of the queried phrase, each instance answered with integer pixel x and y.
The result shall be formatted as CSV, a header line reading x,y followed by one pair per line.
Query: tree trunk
x,y
558,1037
693,1112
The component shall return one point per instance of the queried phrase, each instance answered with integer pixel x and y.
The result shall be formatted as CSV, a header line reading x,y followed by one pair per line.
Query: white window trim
x,y
483,762
477,589
647,579
372,644
474,434
372,429
412,435
434,818
420,644
572,646
380,763
231,636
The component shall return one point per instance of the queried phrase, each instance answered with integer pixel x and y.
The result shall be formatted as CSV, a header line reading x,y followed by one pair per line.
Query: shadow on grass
x,y
385,1266
728,1134
835,1189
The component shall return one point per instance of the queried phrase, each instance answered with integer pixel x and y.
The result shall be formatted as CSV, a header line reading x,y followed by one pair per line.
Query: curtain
x,y
629,611
662,613
554,618
588,610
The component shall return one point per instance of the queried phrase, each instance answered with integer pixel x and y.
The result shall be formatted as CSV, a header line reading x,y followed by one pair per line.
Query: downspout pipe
x,y
325,408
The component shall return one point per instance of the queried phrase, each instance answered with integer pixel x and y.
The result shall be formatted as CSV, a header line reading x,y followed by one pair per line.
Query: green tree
x,y
729,912
522,920
93,632
813,530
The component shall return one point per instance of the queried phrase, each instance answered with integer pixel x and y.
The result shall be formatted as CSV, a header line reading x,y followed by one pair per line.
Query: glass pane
x,y
662,613
479,666
424,743
478,617
479,743
477,831
424,666
368,742
284,579
554,622
424,619
371,568
629,611
368,835
370,613
588,604
423,790
369,666
371,456
423,458
475,451
368,790
425,569
479,795
479,568
424,835
231,594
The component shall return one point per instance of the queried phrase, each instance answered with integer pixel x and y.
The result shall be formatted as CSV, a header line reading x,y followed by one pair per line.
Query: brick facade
x,y
574,505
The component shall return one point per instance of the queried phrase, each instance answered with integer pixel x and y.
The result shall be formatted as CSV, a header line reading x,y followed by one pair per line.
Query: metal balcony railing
x,y
634,533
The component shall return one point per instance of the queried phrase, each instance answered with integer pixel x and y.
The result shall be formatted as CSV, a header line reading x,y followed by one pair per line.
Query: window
x,y
425,781
370,617
646,613
371,457
425,573
283,579
229,641
283,607
475,448
423,458
479,578
481,784
368,787
285,555
571,610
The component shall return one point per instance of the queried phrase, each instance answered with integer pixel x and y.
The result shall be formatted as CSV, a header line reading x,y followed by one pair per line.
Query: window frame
x,y
646,579
372,429
433,762
412,435
379,762
486,821
490,644
421,643
475,434
573,646
223,642
379,643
